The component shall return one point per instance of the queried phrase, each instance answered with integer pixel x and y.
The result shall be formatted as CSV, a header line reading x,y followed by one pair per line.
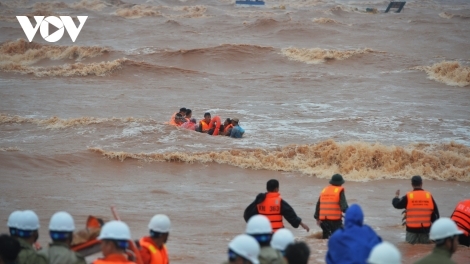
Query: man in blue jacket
x,y
353,243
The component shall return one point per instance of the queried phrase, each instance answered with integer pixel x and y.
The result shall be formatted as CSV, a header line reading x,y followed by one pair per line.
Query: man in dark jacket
x,y
353,243
274,207
421,211
330,206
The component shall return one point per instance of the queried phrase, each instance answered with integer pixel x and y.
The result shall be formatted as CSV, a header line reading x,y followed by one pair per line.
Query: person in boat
x,y
204,123
236,131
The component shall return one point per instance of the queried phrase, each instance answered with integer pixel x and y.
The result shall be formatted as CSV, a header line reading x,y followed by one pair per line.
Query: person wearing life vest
x,y
27,234
204,123
61,227
445,235
271,205
421,211
227,127
114,236
259,227
461,217
330,206
152,248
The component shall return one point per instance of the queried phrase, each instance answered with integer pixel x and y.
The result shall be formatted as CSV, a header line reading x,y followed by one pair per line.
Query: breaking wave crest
x,y
317,55
325,20
26,53
93,5
357,161
220,50
10,149
59,123
139,11
449,72
450,15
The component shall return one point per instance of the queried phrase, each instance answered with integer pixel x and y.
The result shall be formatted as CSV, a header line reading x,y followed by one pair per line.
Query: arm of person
x,y
399,203
252,208
316,215
343,202
289,214
435,214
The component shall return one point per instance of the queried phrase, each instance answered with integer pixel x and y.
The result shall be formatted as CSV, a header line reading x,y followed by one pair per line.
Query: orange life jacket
x,y
113,259
204,126
158,256
172,120
227,128
216,120
271,208
461,216
419,209
330,208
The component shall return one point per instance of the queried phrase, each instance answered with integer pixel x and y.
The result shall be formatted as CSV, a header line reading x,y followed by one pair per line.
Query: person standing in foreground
x,y
27,235
61,229
461,217
281,239
445,234
260,229
114,236
297,253
330,206
354,243
243,249
272,206
9,249
421,211
384,253
153,249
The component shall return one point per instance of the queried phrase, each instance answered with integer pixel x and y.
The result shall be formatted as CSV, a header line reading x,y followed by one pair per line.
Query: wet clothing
x,y
151,253
417,238
114,259
28,255
268,255
330,226
237,132
60,253
286,211
438,256
402,204
203,126
354,242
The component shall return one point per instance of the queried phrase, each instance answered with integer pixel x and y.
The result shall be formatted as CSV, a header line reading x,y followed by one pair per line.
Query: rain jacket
x,y
353,243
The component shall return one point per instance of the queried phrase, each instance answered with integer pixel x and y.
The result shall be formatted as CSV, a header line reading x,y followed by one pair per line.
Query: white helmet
x,y
246,247
281,239
28,221
62,222
258,224
160,223
444,227
384,253
13,219
115,230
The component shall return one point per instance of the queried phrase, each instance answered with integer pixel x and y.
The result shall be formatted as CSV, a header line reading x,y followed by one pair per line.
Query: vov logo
x,y
59,23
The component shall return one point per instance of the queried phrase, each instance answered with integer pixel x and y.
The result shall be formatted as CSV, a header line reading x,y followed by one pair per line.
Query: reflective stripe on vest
x,y
330,208
158,256
204,125
461,216
419,209
271,208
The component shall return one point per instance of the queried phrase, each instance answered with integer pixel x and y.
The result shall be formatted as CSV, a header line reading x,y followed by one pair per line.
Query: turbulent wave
x,y
139,11
93,5
59,123
26,53
317,55
448,72
324,20
10,149
223,49
450,15
357,161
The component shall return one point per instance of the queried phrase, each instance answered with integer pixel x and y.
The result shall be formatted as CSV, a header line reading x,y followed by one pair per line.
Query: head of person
x,y
384,253
61,227
354,216
114,236
416,181
235,121
297,253
259,227
337,180
281,239
13,223
179,119
159,228
182,111
227,122
28,226
207,117
188,113
272,185
9,249
243,249
445,234
192,120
